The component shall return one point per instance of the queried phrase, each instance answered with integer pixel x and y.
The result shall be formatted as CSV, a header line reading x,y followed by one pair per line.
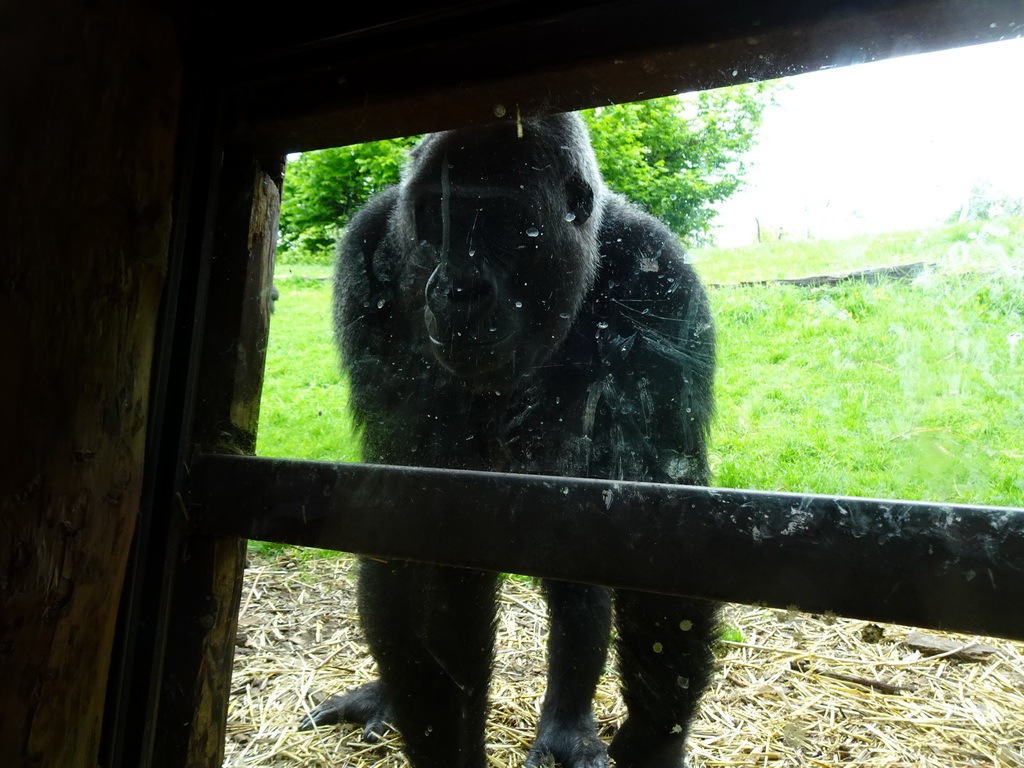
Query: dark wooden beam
x,y
449,74
943,566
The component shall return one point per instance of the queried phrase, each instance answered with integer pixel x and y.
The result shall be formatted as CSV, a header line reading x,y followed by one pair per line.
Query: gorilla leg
x,y
431,631
665,661
367,705
577,649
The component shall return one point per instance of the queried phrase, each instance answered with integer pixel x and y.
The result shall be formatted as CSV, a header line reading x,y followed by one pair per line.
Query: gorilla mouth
x,y
472,357
473,343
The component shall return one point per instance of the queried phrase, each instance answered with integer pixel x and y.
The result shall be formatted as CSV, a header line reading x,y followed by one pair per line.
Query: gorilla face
x,y
509,250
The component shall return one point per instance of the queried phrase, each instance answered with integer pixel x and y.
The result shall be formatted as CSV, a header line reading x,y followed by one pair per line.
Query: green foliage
x,y
266,548
291,555
731,633
324,188
678,157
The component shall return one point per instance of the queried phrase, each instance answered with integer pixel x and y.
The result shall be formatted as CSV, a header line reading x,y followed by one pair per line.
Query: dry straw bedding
x,y
798,690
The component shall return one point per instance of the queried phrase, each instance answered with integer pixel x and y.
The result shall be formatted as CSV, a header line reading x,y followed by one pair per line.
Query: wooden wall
x,y
89,100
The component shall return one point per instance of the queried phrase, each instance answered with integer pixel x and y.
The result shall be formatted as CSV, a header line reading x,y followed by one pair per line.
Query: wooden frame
x,y
375,74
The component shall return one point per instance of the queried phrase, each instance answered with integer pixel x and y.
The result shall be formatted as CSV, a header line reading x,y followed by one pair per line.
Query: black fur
x,y
501,310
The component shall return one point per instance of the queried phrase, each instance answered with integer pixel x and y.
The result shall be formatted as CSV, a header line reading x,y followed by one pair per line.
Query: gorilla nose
x,y
459,298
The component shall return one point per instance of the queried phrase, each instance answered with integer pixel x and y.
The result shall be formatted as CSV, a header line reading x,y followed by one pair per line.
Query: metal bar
x,y
943,566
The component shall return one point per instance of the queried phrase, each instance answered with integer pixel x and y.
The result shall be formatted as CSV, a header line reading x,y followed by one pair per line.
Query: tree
x,y
678,156
324,188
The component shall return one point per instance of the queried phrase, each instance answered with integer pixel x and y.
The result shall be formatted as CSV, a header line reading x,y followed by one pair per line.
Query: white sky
x,y
888,145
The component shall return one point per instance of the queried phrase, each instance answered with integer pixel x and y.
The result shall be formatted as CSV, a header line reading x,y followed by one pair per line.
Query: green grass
x,y
871,390
799,258
898,390
303,412
891,389
285,272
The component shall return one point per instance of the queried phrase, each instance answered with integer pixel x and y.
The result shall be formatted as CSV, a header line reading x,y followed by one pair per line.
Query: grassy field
x,y
909,390
303,410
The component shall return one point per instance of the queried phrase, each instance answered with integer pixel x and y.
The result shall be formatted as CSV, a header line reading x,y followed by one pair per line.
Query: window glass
x,y
858,234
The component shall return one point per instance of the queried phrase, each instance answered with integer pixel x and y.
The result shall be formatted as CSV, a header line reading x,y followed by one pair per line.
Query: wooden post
x,y
200,638
87,133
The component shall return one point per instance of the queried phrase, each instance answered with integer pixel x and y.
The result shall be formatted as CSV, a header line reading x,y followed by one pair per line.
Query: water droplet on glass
x,y
602,325
570,216
492,329
532,232
564,315
380,304
672,197
472,251
519,305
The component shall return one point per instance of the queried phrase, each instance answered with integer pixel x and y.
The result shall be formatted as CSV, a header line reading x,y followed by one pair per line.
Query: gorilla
x,y
500,309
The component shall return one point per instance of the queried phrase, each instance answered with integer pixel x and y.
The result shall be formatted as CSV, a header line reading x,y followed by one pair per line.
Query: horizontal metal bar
x,y
942,566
